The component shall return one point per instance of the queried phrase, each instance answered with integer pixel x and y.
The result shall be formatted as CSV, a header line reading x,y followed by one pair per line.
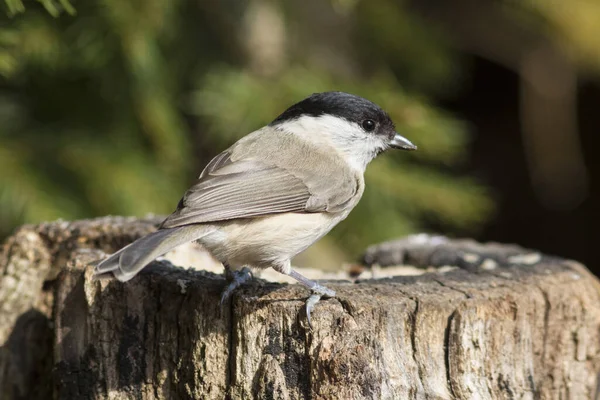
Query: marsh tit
x,y
275,192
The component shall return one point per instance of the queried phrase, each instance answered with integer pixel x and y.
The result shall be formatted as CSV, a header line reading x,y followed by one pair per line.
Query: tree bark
x,y
507,323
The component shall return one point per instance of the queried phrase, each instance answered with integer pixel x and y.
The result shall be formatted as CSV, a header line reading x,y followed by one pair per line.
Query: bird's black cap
x,y
339,104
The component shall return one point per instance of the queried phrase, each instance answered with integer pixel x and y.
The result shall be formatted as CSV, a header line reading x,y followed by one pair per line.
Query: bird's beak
x,y
402,143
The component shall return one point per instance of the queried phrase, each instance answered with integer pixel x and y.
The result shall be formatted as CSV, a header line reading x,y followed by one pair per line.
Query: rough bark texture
x,y
506,324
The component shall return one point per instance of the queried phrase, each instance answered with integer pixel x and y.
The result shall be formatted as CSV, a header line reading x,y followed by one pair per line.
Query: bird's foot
x,y
236,279
319,291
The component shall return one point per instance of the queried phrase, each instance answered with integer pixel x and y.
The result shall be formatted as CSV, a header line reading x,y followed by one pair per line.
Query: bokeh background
x,y
114,107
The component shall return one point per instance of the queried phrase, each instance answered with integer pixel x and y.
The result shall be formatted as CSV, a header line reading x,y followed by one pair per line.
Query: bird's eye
x,y
368,125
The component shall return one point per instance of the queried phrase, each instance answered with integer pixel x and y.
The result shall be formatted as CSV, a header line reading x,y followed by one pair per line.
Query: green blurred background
x,y
115,106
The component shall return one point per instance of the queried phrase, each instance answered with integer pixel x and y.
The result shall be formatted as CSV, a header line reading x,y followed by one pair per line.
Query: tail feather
x,y
111,263
130,260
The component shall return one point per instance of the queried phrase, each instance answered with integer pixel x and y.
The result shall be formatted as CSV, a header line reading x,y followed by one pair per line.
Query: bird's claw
x,y
310,304
318,292
237,279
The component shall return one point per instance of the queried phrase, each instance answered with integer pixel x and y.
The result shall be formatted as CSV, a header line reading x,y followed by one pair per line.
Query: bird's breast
x,y
259,242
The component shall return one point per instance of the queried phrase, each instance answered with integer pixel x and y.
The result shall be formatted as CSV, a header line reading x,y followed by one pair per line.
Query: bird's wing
x,y
244,188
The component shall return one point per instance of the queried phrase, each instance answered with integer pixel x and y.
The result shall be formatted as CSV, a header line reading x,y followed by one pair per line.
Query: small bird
x,y
275,192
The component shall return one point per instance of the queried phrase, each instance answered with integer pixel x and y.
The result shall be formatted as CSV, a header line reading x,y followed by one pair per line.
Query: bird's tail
x,y
131,259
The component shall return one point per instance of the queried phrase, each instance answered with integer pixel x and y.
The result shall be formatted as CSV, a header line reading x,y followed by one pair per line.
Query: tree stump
x,y
482,322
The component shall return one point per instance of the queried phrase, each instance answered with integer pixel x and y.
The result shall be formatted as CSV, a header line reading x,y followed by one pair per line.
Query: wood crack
x,y
231,347
447,353
441,283
413,342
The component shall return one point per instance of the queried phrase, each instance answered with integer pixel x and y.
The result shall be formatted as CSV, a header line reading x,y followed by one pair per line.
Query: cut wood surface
x,y
480,322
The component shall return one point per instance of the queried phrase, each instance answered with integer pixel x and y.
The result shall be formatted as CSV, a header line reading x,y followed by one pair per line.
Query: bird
x,y
274,192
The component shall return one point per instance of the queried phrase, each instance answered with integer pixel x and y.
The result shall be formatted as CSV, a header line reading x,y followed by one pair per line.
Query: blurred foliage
x,y
574,25
113,107
52,7
89,119
417,51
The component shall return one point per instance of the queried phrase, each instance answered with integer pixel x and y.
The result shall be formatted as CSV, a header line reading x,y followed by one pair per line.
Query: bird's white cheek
x,y
355,145
362,151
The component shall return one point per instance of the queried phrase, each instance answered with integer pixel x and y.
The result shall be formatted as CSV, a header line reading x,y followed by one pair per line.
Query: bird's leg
x,y
312,285
317,289
236,278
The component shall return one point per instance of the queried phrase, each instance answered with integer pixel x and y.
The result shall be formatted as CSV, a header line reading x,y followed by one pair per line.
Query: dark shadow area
x,y
28,351
490,103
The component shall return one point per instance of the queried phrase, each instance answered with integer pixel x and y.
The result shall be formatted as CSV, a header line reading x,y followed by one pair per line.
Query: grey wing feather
x,y
219,161
239,189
